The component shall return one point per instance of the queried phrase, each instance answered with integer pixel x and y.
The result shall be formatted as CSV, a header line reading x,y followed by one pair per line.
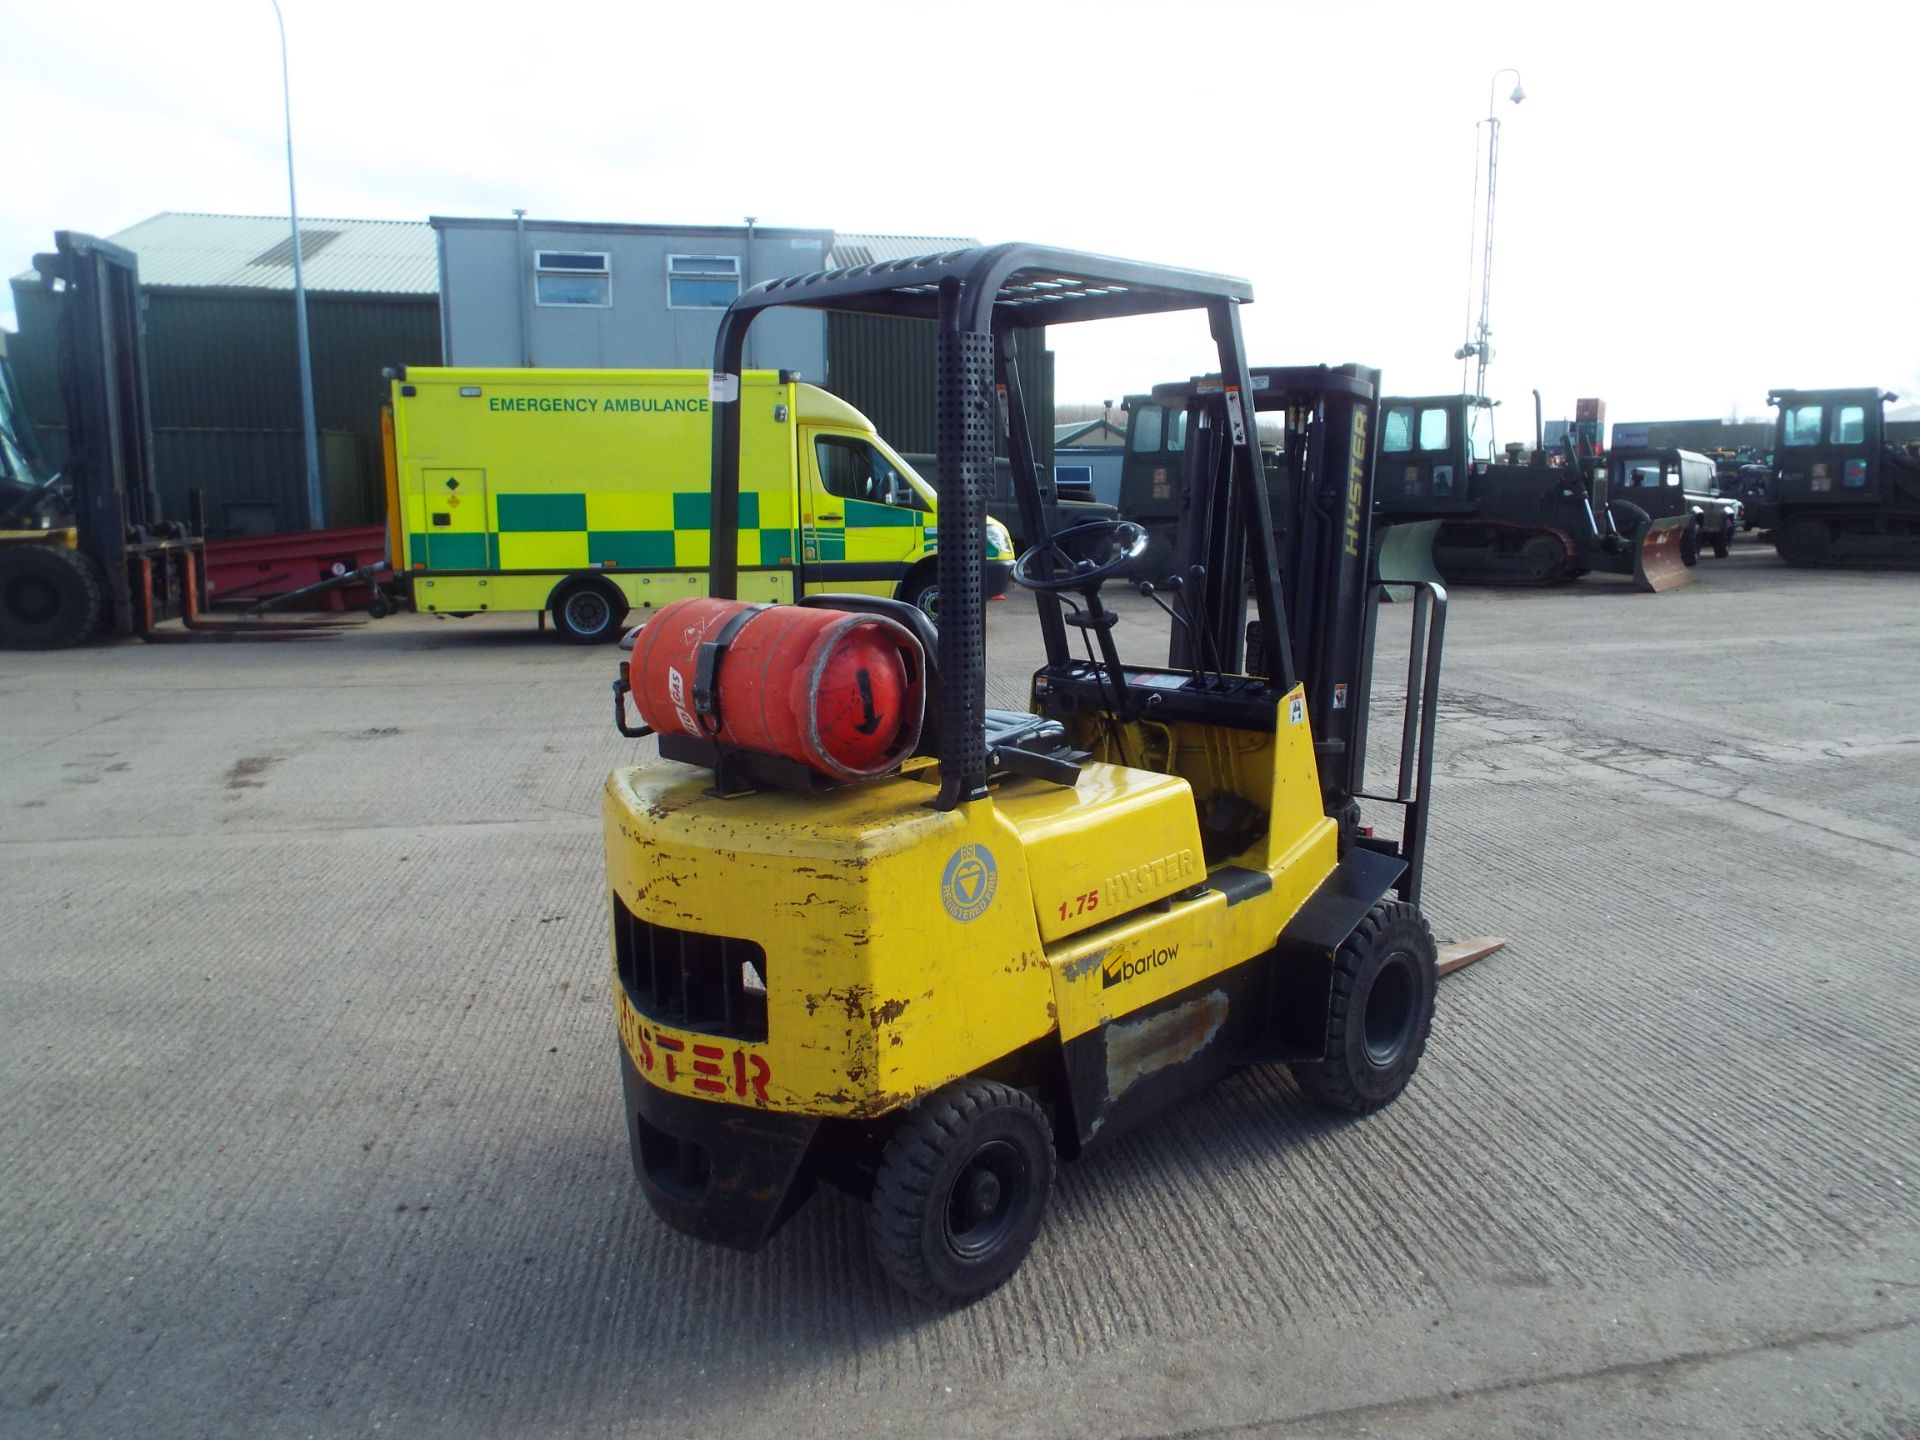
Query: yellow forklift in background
x,y
1025,931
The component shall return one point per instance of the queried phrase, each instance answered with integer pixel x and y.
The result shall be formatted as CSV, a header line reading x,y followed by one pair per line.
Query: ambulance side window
x,y
854,470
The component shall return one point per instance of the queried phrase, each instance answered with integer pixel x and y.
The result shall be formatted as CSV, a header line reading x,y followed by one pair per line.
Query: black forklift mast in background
x,y
146,562
89,552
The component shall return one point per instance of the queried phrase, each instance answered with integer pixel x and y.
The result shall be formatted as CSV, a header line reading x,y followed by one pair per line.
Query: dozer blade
x,y
1657,564
1405,557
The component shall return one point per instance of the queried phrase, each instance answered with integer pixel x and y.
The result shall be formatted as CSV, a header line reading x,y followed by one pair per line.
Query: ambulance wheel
x,y
922,591
960,1190
588,612
1379,1012
50,597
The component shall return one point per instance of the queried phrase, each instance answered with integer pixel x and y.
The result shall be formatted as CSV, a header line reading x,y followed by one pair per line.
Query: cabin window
x,y
1396,438
1149,429
572,277
1433,429
1801,425
1849,425
702,282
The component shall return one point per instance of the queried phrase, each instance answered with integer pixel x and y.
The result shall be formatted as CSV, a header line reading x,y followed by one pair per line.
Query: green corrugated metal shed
x,y
224,372
883,365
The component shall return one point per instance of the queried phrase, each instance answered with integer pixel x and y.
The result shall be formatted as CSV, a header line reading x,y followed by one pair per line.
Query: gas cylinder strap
x,y
706,668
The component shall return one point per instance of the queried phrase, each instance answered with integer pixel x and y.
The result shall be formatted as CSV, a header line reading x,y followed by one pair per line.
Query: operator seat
x,y
1006,729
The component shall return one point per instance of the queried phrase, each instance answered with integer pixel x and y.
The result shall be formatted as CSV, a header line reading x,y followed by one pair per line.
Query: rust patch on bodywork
x,y
852,1000
888,1013
1140,1049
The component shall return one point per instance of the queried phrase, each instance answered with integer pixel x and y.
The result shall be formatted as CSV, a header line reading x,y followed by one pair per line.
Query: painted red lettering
x,y
706,1069
758,1080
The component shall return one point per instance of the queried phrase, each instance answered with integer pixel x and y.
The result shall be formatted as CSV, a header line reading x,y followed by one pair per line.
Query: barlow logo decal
x,y
968,882
1121,968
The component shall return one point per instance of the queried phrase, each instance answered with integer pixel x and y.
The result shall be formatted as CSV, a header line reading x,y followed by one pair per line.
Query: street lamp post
x,y
316,501
1478,347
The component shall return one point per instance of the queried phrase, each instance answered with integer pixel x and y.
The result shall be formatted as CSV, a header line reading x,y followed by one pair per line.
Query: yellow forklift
x,y
1037,927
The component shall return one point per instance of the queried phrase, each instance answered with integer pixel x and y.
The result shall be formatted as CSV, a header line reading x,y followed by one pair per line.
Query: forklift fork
x,y
198,628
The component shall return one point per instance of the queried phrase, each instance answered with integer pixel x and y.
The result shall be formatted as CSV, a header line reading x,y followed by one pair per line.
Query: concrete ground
x,y
309,1115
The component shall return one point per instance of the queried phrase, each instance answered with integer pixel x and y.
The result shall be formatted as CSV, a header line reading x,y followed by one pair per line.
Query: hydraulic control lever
x,y
1199,675
1193,600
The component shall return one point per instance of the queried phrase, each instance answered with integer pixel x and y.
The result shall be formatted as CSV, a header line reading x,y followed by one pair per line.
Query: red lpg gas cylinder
x,y
841,693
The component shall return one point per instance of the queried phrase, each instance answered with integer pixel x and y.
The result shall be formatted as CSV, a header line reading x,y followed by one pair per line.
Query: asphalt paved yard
x,y
310,1119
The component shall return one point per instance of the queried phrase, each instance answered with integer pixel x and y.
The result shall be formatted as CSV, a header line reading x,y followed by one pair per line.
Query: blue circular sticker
x,y
968,882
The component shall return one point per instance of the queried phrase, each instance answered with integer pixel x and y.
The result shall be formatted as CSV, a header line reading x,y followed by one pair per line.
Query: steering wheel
x,y
1073,571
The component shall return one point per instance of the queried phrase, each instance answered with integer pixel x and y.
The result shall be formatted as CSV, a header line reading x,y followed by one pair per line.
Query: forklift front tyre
x,y
588,612
50,597
1379,1013
960,1191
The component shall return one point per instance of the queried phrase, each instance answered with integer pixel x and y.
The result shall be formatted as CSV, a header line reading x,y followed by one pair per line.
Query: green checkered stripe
x,y
540,532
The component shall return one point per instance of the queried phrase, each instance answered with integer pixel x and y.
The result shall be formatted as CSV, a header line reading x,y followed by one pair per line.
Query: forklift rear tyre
x,y
587,612
50,597
960,1191
1384,979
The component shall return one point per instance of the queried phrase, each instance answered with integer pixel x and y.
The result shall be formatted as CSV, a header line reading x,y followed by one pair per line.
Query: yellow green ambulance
x,y
582,495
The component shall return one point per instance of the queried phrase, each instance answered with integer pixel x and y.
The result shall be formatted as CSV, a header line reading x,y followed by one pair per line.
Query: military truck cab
x,y
1840,492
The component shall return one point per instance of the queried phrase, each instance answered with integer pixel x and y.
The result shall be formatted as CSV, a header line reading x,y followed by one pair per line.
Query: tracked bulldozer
x,y
1527,519
1840,493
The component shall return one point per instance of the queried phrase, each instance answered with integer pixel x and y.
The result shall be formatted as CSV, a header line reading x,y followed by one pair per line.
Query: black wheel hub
x,y
587,612
1390,1010
32,601
987,1197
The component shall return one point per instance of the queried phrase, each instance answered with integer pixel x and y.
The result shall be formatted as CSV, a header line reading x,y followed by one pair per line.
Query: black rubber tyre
x,y
1690,544
1384,979
588,612
921,589
960,1191
1723,543
50,597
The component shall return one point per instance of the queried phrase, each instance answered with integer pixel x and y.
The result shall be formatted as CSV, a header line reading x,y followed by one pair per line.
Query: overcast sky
x,y
1696,202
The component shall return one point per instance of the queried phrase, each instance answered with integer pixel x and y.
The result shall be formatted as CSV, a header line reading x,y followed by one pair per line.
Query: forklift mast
x,y
110,467
1330,416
